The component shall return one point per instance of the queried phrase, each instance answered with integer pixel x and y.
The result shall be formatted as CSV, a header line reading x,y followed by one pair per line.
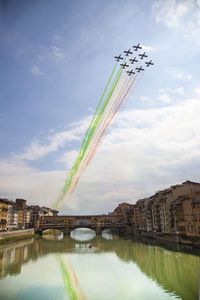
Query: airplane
x,y
118,57
132,60
142,55
130,72
128,52
139,69
148,63
124,65
137,47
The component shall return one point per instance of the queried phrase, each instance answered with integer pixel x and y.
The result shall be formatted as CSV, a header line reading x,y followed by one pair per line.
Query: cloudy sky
x,y
55,58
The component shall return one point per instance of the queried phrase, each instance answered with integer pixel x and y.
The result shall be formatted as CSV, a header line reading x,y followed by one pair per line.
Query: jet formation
x,y
126,61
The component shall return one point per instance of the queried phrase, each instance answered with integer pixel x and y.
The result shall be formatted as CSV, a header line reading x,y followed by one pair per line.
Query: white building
x,y
12,217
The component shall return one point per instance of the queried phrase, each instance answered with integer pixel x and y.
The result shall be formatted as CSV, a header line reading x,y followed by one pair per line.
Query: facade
x,y
12,216
17,215
187,215
69,223
4,206
37,212
20,223
21,205
196,213
163,205
27,217
125,210
172,211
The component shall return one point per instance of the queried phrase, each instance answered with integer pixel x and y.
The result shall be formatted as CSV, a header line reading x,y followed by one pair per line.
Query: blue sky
x,y
56,57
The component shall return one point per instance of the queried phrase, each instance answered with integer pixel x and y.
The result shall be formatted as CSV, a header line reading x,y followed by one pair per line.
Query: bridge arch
x,y
83,234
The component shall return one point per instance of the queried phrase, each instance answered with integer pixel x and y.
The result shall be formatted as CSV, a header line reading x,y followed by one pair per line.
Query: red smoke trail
x,y
111,106
104,119
108,123
96,139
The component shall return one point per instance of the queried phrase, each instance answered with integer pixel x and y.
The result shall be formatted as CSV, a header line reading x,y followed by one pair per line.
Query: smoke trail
x,y
116,97
99,104
75,178
112,104
108,123
82,165
97,139
87,140
70,280
106,110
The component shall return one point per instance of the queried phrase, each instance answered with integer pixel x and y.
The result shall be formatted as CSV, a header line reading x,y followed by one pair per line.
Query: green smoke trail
x,y
99,104
89,134
67,281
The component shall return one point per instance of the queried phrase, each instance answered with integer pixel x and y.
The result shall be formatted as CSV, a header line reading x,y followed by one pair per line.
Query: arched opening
x,y
107,234
52,234
83,234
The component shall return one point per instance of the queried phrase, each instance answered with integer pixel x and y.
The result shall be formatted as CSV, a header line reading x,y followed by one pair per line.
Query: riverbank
x,y
9,236
166,237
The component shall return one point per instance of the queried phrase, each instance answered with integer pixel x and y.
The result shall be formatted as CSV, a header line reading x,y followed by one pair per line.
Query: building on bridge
x,y
98,223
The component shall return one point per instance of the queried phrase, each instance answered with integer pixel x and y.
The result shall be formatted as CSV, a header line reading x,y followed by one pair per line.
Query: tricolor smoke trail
x,y
116,93
71,284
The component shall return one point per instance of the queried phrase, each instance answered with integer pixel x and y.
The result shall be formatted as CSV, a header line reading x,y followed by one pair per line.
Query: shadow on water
x,y
175,269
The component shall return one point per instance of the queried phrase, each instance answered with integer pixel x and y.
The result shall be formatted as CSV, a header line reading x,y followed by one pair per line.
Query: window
x,y
188,228
192,228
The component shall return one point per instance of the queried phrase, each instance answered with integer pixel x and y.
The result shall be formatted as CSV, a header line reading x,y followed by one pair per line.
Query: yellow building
x,y
4,204
20,219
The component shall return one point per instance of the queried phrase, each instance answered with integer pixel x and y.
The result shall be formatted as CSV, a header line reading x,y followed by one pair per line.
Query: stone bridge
x,y
66,224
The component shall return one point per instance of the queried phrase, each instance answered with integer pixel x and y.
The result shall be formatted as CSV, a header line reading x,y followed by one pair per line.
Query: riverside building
x,y
172,211
18,215
4,205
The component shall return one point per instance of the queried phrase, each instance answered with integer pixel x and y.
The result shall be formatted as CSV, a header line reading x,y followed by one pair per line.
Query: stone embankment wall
x,y
166,237
16,233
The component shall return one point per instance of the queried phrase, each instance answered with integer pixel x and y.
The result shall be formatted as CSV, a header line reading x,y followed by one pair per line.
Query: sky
x,y
55,58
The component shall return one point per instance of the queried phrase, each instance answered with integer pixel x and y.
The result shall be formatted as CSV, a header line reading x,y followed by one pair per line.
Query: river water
x,y
96,268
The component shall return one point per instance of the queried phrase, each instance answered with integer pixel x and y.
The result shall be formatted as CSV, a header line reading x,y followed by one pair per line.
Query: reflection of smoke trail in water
x,y
71,285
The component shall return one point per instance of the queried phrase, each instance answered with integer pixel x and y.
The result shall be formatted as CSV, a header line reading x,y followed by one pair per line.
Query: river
x,y
96,268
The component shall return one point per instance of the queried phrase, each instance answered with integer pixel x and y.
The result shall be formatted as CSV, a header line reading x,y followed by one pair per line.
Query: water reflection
x,y
107,235
54,237
83,234
174,271
71,284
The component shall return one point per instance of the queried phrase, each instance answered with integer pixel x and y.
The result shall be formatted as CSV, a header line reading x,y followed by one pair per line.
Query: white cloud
x,y
91,109
68,159
36,71
17,179
37,150
170,12
58,52
179,90
180,75
51,143
175,13
57,37
145,150
165,98
146,99
167,95
197,91
147,48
